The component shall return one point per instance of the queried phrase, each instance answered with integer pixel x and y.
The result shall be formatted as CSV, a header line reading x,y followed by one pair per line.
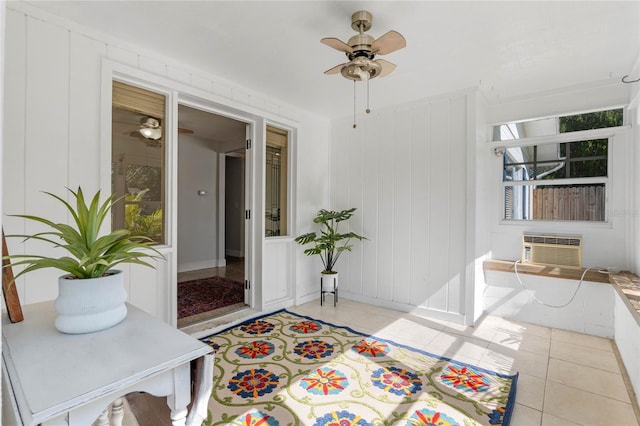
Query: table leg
x,y
181,396
179,417
103,419
202,390
117,412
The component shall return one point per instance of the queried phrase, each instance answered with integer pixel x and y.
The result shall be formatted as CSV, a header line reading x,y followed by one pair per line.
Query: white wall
x,y
591,311
627,336
312,194
634,175
197,214
4,390
407,171
58,132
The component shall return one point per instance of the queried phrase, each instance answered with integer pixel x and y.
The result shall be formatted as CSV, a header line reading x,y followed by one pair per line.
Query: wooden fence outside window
x,y
585,203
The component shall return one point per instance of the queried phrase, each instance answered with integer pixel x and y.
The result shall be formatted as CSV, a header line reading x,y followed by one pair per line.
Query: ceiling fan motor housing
x,y
361,45
361,20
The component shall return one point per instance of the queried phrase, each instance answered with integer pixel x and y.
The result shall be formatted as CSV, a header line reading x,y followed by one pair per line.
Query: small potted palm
x,y
329,244
91,294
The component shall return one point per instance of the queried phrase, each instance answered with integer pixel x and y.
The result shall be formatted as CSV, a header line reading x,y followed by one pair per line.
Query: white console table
x,y
60,379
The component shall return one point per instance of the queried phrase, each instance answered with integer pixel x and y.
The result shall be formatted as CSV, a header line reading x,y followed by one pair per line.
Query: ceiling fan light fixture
x,y
361,69
151,133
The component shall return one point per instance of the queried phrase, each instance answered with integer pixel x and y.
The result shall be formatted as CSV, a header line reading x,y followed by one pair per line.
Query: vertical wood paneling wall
x,y
405,170
52,140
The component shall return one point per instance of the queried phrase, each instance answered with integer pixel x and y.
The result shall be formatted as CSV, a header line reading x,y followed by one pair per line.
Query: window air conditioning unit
x,y
552,250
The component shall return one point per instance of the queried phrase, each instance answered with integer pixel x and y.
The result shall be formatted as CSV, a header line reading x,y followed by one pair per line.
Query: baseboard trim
x,y
194,266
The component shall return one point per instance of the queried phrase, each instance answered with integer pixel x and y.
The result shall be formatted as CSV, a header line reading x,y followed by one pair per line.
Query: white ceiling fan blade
x,y
389,42
336,69
386,67
337,44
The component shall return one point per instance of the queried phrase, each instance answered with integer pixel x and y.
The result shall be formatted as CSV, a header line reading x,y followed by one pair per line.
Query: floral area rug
x,y
286,369
207,294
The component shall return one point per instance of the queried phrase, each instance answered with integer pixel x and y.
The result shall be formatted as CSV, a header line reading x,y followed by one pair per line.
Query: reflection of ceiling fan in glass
x,y
150,128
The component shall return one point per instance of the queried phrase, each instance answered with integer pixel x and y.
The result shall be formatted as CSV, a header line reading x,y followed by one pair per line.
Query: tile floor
x,y
565,378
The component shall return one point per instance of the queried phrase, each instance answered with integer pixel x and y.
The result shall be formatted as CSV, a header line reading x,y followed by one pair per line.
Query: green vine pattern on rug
x,y
285,369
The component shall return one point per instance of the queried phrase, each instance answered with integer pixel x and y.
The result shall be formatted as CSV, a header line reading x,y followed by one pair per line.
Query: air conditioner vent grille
x,y
552,250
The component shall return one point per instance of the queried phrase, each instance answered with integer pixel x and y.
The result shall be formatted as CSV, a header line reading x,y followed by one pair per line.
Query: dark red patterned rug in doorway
x,y
207,294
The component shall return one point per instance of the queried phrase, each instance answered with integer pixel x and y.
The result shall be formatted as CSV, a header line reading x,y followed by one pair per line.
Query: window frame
x,y
116,74
608,133
289,149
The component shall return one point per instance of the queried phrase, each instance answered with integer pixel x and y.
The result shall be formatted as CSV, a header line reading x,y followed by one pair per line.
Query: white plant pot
x,y
85,306
327,281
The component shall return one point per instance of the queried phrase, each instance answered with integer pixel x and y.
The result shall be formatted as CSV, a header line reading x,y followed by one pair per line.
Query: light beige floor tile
x,y
549,420
594,342
456,346
530,391
422,321
523,342
585,408
507,360
515,327
402,331
604,360
589,379
482,330
525,416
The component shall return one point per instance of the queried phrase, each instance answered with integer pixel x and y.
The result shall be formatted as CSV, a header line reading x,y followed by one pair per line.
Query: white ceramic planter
x,y
329,284
85,306
327,281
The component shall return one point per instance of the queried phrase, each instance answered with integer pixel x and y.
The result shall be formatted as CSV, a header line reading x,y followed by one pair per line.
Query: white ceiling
x,y
507,49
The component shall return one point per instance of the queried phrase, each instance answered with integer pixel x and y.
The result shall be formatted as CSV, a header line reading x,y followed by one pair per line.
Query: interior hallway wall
x,y
197,214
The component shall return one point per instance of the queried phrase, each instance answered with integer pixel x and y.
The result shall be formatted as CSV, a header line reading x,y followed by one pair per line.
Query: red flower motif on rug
x,y
306,327
371,348
464,378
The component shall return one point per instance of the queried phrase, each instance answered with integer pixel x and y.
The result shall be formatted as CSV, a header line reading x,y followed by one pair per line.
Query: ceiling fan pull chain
x,y
354,104
367,110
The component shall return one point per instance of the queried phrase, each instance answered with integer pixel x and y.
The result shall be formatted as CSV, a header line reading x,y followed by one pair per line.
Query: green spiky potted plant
x,y
329,244
91,294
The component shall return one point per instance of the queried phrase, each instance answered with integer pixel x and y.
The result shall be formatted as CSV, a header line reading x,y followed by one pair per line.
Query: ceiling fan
x,y
361,49
150,128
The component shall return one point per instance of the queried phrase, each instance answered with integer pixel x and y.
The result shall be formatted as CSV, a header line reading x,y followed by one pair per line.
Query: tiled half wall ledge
x,y
622,287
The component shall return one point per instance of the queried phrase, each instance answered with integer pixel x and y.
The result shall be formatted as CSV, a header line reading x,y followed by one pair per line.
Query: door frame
x,y
216,109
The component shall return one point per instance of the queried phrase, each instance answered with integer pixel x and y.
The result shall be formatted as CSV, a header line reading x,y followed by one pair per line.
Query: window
x,y
556,125
138,158
276,182
562,178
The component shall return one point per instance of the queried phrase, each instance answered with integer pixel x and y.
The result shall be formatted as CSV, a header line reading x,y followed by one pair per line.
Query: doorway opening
x,y
212,261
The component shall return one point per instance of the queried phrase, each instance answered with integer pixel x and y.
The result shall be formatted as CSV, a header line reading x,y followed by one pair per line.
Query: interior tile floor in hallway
x,y
566,378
